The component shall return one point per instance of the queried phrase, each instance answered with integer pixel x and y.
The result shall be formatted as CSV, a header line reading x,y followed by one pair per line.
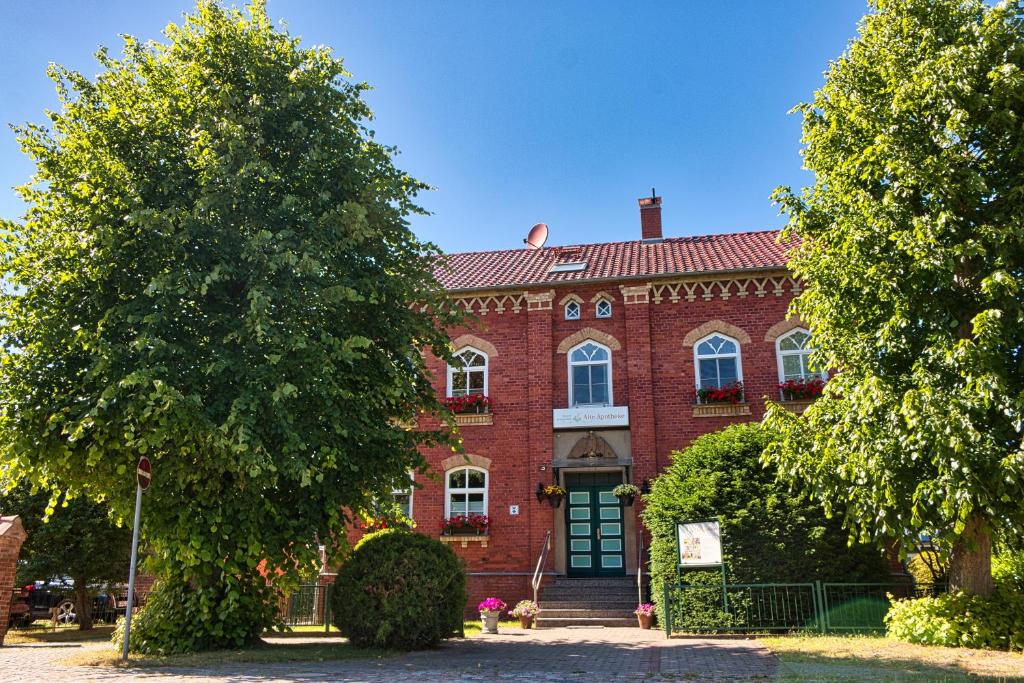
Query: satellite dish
x,y
537,237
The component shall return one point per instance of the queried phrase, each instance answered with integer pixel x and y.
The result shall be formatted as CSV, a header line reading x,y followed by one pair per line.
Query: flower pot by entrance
x,y
646,620
490,620
526,622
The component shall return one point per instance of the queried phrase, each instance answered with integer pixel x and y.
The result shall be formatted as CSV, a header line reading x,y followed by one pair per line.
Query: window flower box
x,y
726,401
466,525
474,419
801,389
468,404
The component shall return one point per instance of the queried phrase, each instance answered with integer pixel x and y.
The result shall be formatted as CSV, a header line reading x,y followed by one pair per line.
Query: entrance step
x,y
588,602
545,622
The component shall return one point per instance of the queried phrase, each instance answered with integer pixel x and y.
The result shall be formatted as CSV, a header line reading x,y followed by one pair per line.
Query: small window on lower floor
x,y
466,492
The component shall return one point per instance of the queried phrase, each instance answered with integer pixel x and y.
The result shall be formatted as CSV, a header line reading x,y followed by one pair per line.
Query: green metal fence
x,y
308,605
774,607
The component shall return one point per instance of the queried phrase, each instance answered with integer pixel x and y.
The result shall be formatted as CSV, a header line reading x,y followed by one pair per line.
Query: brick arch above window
x,y
592,334
782,327
570,297
601,295
476,342
712,326
466,460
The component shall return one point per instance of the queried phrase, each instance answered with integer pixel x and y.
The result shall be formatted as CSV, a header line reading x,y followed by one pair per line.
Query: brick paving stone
x,y
548,655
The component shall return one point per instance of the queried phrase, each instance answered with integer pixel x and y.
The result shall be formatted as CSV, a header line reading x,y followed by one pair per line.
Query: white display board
x,y
576,418
700,544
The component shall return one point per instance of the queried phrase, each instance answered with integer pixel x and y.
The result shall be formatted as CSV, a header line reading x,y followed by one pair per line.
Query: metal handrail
x,y
538,573
640,568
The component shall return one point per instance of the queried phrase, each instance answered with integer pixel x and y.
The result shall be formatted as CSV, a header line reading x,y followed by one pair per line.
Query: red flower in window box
x,y
466,524
730,393
802,389
470,403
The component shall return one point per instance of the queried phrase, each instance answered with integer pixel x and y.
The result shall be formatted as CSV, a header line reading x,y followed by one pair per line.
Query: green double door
x,y
595,527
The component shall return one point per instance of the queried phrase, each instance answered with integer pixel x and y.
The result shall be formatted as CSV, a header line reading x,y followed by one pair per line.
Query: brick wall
x,y
12,535
652,372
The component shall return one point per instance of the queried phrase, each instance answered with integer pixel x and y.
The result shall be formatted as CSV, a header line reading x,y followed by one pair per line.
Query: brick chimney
x,y
650,217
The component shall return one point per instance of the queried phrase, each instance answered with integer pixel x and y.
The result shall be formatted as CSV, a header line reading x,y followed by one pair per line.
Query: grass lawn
x,y
62,634
854,658
474,627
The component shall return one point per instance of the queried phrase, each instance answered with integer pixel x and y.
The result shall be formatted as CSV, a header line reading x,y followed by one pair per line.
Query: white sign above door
x,y
580,418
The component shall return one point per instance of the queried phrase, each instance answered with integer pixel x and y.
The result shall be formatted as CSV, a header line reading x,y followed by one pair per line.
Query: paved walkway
x,y
561,654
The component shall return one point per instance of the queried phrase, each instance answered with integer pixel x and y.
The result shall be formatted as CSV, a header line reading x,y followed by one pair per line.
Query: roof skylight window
x,y
571,267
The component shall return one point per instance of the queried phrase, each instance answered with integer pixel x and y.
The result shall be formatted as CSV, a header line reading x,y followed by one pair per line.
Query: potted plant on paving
x,y
627,493
490,609
525,611
645,615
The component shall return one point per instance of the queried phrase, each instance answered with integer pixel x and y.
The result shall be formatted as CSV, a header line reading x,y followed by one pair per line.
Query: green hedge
x,y
769,533
960,620
400,590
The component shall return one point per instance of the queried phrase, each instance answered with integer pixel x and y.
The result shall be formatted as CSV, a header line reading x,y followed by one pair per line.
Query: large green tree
x,y
910,248
216,270
78,541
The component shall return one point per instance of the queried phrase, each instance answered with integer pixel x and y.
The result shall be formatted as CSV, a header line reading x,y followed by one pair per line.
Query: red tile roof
x,y
742,251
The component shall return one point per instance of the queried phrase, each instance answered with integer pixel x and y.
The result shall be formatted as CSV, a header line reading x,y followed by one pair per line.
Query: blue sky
x,y
561,112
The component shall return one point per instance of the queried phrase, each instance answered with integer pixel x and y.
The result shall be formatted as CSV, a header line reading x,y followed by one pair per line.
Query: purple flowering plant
x,y
492,605
644,610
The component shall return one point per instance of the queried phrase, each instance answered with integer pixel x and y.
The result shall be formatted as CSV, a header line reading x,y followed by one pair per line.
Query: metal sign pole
x,y
143,477
131,574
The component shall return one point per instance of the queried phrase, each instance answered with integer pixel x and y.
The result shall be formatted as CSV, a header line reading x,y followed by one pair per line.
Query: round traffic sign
x,y
144,473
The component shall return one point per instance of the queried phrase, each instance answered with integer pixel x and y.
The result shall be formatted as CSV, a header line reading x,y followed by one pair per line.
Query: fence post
x,y
819,601
327,608
667,611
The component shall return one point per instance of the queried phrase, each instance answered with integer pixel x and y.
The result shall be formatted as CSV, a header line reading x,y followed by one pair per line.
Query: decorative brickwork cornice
x,y
570,297
782,327
712,326
591,334
480,303
724,288
476,342
465,460
540,301
635,294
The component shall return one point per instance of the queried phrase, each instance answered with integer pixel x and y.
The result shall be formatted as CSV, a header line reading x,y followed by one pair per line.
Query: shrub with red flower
x,y
466,524
470,403
730,393
801,389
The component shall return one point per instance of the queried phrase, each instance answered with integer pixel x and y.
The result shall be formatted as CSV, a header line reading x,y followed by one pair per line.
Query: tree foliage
x,y
910,249
78,541
769,533
216,270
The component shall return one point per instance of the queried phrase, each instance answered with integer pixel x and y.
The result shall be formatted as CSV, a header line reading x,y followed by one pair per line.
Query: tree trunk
x,y
83,606
970,563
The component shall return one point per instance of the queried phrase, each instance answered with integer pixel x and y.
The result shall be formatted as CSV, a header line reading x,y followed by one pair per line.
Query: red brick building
x,y
591,356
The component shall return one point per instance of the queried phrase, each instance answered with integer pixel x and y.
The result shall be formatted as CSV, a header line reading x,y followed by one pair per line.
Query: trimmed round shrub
x,y
960,620
400,590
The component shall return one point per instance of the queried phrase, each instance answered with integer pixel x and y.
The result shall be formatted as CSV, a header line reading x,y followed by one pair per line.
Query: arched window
x,y
794,353
465,492
572,310
590,375
717,361
603,308
469,375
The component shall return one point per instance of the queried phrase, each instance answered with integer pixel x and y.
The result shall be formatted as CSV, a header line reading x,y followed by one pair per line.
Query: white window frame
x,y
597,308
579,310
452,370
611,392
807,350
448,490
697,357
409,490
